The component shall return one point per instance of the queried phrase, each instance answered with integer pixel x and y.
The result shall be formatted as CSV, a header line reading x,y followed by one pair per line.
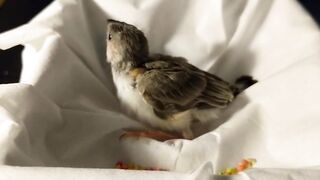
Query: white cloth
x,y
64,117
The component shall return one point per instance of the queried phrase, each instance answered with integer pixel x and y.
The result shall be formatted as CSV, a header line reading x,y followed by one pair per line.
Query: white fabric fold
x,y
63,120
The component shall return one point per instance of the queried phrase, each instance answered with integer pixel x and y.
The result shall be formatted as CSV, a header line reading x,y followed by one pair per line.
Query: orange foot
x,y
152,134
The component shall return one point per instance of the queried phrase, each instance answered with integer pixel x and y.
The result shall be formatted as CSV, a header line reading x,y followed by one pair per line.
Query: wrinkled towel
x,y
63,120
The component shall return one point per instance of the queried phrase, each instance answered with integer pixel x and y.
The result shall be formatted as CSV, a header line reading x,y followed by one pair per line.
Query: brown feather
x,y
171,85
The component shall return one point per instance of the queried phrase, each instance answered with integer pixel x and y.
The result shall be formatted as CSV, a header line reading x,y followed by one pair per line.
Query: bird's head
x,y
126,44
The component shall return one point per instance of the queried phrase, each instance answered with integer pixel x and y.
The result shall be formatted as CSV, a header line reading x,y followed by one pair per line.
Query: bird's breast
x,y
133,103
130,98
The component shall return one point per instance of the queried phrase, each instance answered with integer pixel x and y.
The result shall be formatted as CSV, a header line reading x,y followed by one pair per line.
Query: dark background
x,y
16,12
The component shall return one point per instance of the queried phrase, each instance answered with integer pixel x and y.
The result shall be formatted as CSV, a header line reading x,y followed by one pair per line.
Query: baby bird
x,y
164,92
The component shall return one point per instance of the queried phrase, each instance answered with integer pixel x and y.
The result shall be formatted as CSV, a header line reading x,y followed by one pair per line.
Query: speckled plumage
x,y
165,92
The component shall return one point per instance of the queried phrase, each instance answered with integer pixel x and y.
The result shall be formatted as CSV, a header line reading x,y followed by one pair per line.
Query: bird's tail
x,y
242,83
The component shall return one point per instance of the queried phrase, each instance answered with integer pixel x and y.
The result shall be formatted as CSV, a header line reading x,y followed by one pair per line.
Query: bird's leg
x,y
152,134
187,133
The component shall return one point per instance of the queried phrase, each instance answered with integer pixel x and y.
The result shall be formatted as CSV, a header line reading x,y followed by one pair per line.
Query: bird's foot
x,y
187,134
152,134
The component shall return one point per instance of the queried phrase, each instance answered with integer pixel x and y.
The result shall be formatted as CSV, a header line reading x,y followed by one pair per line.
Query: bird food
x,y
131,166
241,166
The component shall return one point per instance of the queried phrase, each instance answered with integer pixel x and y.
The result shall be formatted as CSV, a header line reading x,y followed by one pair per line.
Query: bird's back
x,y
171,85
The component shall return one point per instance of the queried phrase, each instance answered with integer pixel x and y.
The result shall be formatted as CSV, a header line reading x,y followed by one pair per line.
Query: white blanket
x,y
64,118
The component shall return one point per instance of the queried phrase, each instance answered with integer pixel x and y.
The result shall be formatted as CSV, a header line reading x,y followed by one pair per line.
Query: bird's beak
x,y
110,21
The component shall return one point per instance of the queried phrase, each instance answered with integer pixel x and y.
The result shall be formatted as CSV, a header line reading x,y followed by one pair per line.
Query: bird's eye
x,y
110,37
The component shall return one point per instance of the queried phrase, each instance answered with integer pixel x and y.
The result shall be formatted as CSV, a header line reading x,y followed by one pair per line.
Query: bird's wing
x,y
172,86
